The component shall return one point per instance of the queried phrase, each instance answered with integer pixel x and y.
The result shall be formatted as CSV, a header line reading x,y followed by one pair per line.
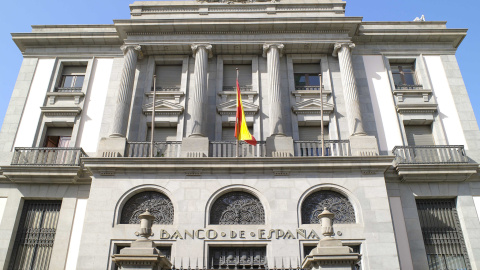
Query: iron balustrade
x,y
408,87
430,154
234,88
308,87
68,89
229,149
49,156
169,149
333,148
167,88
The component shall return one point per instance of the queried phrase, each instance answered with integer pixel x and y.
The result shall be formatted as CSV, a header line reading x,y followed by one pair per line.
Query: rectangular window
x,y
72,79
58,137
169,77
35,235
404,76
162,134
419,135
306,76
244,77
442,234
237,257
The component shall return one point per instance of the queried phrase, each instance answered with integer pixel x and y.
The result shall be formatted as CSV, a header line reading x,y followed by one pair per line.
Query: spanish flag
x,y
241,130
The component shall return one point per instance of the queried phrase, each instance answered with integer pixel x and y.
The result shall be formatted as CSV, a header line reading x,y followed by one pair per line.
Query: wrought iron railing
x,y
308,87
229,149
408,87
162,149
68,89
234,88
333,148
167,88
430,154
50,156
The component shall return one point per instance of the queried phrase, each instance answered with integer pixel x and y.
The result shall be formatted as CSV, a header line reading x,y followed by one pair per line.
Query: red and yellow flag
x,y
241,129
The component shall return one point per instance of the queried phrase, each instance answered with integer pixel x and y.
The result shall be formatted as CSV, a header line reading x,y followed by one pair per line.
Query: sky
x,y
19,15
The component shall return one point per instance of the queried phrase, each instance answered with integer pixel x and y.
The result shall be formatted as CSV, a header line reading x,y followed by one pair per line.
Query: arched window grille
x,y
237,208
333,201
157,204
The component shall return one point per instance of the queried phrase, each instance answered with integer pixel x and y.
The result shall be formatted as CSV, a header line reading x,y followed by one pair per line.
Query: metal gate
x,y
442,235
35,235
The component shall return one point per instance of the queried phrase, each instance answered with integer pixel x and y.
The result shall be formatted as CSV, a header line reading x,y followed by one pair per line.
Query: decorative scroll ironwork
x,y
237,208
157,204
333,201
442,234
35,235
238,257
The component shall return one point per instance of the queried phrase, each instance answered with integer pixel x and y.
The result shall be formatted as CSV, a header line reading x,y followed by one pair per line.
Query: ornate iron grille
x,y
35,235
333,201
442,235
158,204
237,208
238,257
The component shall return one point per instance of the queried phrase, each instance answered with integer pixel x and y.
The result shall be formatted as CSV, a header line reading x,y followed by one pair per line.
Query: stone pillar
x,y
124,97
350,91
197,109
360,144
142,254
197,144
330,253
273,52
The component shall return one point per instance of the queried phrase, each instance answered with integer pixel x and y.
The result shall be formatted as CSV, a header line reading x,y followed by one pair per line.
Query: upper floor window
x,y
230,77
169,77
306,79
306,76
58,137
404,76
72,79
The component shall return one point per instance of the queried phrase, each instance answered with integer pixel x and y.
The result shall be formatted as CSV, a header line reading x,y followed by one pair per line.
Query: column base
x,y
364,146
112,147
279,145
195,147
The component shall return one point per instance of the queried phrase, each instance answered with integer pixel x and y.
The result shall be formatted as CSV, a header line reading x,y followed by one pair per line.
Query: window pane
x,y
394,69
67,81
409,79
79,81
397,79
300,80
313,79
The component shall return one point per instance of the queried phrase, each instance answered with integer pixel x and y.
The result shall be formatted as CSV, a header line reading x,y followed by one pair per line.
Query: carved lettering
x,y
190,234
198,234
270,234
289,235
233,234
164,234
176,235
302,233
210,235
279,233
242,234
261,234
313,235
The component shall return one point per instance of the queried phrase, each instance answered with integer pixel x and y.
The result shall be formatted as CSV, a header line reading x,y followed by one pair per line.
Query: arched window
x,y
157,204
333,201
237,208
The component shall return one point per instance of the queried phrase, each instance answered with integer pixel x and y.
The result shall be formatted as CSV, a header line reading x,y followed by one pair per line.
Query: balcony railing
x,y
166,88
47,156
234,88
161,149
408,87
68,89
229,149
308,87
430,154
333,148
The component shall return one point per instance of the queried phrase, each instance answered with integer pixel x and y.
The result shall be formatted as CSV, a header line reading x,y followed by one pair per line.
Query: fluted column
x,y
124,97
197,110
273,52
354,116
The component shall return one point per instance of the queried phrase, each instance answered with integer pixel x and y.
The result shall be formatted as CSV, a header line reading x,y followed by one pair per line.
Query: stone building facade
x,y
399,166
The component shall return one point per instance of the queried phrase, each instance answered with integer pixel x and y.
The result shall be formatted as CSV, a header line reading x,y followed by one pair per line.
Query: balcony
x,y
229,149
430,154
49,165
333,148
308,88
47,156
161,149
409,87
437,163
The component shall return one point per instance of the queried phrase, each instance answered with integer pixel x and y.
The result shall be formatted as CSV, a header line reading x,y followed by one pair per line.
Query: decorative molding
x,y
237,32
237,208
339,45
311,106
136,48
230,107
268,46
163,107
207,47
61,111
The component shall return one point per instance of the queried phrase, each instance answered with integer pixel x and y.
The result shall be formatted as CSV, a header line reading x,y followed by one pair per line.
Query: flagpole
x,y
152,128
321,115
236,121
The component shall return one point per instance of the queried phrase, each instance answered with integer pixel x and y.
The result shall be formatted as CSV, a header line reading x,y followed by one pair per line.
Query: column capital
x,y
339,45
207,47
136,48
268,46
